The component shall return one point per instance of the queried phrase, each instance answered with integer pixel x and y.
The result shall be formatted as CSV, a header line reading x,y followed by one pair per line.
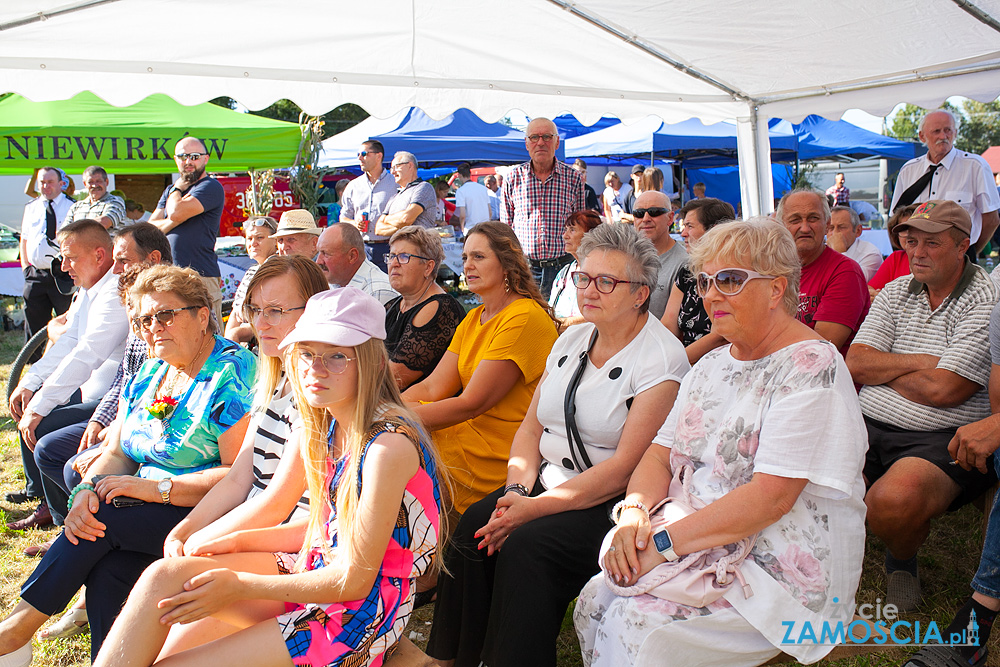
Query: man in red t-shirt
x,y
833,295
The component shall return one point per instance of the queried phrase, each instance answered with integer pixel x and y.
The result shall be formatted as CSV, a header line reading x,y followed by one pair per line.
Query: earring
x,y
506,283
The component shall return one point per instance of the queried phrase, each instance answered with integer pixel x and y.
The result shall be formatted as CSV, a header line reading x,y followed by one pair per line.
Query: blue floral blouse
x,y
188,439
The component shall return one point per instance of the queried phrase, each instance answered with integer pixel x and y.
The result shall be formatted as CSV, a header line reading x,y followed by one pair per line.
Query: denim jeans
x,y
987,579
545,276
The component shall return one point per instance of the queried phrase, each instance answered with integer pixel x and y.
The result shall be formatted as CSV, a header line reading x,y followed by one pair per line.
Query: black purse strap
x,y
569,411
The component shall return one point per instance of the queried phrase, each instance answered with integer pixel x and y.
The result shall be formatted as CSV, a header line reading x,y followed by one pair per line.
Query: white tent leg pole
x,y
754,151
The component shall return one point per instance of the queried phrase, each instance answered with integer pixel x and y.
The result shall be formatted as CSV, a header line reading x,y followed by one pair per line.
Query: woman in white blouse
x,y
769,432
521,554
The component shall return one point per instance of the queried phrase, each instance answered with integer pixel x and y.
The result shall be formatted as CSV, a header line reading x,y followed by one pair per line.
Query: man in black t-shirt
x,y
189,213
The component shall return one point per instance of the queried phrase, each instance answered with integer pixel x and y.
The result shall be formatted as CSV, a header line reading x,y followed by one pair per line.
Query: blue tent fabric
x,y
459,137
724,182
821,138
570,127
690,142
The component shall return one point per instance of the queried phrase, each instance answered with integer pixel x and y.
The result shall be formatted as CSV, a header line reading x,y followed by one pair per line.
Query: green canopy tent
x,y
139,139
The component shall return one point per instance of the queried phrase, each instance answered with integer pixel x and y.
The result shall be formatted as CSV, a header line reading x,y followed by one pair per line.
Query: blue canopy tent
x,y
724,182
820,138
689,142
570,127
456,138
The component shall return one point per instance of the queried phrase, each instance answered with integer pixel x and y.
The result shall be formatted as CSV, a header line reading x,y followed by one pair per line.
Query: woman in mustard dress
x,y
478,394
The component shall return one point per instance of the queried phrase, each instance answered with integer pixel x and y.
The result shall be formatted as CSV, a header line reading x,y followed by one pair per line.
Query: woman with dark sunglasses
x,y
183,418
767,434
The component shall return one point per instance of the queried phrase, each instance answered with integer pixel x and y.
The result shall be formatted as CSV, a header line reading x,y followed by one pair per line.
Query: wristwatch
x,y
665,545
164,486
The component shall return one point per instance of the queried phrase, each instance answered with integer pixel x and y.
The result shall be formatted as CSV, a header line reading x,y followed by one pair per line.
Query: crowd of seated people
x,y
295,503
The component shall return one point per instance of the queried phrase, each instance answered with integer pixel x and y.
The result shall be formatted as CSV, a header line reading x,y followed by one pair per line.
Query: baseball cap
x,y
297,221
638,169
343,316
938,215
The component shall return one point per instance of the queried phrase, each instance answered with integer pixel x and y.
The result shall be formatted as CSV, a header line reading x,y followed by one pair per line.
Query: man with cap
x,y
923,356
628,199
297,234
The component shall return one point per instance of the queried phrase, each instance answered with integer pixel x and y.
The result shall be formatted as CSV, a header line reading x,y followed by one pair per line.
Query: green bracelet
x,y
82,486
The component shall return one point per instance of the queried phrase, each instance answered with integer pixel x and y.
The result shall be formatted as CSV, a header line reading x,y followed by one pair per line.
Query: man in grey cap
x,y
923,355
297,234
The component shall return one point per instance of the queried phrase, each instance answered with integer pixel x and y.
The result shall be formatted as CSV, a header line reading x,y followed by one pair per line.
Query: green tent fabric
x,y
139,139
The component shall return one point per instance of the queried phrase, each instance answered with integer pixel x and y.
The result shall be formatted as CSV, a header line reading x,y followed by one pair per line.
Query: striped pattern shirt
x,y
273,427
109,205
537,209
901,321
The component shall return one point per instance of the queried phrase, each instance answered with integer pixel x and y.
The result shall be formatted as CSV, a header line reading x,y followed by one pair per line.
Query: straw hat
x,y
296,221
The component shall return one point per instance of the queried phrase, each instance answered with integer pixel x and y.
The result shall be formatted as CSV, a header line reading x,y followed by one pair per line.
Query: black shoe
x,y
19,497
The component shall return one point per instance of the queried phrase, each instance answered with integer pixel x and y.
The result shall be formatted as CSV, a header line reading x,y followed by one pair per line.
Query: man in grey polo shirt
x,y
923,355
414,204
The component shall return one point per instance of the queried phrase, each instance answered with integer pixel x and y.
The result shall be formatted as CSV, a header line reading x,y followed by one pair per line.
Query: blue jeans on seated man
x,y
64,415
987,579
53,450
544,276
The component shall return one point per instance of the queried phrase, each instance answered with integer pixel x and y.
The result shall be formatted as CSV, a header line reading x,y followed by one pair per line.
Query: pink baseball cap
x,y
343,316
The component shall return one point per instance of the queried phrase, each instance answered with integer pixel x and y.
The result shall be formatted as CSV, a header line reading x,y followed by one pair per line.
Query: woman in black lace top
x,y
421,321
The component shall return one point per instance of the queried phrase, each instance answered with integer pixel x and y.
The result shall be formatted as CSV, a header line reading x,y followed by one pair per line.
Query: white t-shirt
x,y
604,395
866,255
475,197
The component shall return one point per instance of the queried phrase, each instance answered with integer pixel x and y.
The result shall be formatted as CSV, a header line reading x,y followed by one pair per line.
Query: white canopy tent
x,y
713,60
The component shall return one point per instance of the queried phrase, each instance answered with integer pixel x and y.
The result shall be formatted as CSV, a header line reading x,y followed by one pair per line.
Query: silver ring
x,y
612,548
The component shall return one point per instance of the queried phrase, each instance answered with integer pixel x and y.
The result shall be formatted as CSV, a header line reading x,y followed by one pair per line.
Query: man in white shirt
x,y
472,199
843,234
948,173
78,369
342,258
43,217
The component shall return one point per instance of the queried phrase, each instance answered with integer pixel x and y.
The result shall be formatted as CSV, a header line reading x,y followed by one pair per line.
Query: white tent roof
x,y
714,59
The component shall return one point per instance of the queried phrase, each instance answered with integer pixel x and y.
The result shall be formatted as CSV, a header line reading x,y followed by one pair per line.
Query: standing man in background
x,y
189,213
42,218
538,196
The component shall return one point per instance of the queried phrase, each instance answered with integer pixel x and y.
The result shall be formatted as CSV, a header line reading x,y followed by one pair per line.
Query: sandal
x,y
942,655
424,597
72,623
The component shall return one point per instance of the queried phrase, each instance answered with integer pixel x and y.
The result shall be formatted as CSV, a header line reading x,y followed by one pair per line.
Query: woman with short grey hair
x,y
421,322
522,553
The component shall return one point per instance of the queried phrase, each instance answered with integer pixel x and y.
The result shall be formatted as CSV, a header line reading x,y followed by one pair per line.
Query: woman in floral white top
x,y
771,428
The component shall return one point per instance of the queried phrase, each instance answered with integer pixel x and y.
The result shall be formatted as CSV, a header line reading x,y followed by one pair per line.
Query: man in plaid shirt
x,y
536,199
841,194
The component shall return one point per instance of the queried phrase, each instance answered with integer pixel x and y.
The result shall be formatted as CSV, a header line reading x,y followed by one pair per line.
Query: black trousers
x,y
507,609
41,298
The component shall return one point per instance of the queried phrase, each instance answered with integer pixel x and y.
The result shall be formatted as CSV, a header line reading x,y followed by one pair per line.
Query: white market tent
x,y
715,59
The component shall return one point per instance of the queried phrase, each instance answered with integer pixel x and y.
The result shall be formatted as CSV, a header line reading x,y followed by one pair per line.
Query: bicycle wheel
x,y
36,343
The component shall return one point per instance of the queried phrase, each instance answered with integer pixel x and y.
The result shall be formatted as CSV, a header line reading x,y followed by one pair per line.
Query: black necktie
x,y
50,220
910,194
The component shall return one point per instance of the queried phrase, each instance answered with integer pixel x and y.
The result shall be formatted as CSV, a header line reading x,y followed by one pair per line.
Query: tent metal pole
x,y
895,80
978,14
45,16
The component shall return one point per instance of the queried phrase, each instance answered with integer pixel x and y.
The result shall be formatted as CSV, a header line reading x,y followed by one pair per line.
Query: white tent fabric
x,y
341,150
715,59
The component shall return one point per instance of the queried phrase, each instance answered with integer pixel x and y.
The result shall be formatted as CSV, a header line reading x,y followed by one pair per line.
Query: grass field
x,y
947,562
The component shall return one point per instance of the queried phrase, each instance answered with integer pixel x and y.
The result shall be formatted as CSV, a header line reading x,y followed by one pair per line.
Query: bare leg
x,y
138,635
19,627
259,645
184,637
81,603
902,503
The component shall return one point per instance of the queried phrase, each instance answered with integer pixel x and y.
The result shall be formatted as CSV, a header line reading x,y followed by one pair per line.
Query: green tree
x,y
979,124
342,118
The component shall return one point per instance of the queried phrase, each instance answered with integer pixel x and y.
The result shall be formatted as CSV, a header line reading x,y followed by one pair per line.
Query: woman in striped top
x,y
245,498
